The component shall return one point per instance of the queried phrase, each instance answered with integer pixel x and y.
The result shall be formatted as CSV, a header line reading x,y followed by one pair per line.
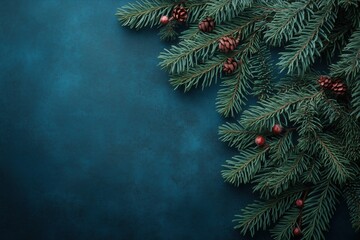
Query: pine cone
x,y
338,87
207,25
180,13
227,44
325,82
230,66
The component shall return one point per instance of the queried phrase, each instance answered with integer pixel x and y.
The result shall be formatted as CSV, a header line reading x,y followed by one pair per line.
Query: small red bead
x,y
260,141
164,19
277,129
297,231
299,203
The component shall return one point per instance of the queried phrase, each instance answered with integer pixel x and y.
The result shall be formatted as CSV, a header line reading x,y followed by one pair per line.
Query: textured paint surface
x,y
94,143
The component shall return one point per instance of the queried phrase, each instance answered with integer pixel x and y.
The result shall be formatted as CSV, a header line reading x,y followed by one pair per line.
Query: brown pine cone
x,y
180,14
207,25
230,66
227,44
325,82
338,87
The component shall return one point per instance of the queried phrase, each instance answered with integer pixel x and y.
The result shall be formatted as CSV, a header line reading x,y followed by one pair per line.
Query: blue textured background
x,y
94,143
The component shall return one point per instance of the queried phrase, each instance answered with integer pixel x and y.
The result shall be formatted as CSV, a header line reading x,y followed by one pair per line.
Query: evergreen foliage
x,y
317,155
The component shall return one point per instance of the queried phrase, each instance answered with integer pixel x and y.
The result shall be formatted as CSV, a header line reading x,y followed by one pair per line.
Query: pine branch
x,y
274,181
283,229
290,83
349,3
196,9
193,49
309,124
355,102
352,198
306,46
349,64
145,13
290,18
330,111
168,32
312,173
353,14
320,207
261,69
279,149
209,72
337,166
232,96
225,10
338,37
236,135
243,167
259,215
276,109
348,129
204,73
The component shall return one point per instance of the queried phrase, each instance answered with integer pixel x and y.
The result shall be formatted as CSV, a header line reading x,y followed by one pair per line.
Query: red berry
x,y
277,129
164,19
299,203
260,141
297,231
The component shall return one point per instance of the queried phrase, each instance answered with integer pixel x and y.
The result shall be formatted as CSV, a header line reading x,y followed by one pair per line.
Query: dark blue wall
x,y
95,144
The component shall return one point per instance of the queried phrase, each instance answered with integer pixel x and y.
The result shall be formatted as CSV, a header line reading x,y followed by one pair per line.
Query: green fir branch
x,y
283,229
319,208
313,172
330,111
232,96
243,167
309,124
147,13
349,3
225,10
355,102
168,32
337,166
347,131
306,46
143,14
353,15
289,19
261,69
352,198
274,181
236,136
276,109
200,47
260,214
349,64
280,148
337,38
206,73
290,83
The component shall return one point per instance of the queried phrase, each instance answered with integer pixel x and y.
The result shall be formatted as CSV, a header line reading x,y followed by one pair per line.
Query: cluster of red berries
x,y
260,140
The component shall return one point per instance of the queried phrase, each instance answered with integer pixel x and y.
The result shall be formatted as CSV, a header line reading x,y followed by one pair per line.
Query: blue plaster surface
x,y
95,144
